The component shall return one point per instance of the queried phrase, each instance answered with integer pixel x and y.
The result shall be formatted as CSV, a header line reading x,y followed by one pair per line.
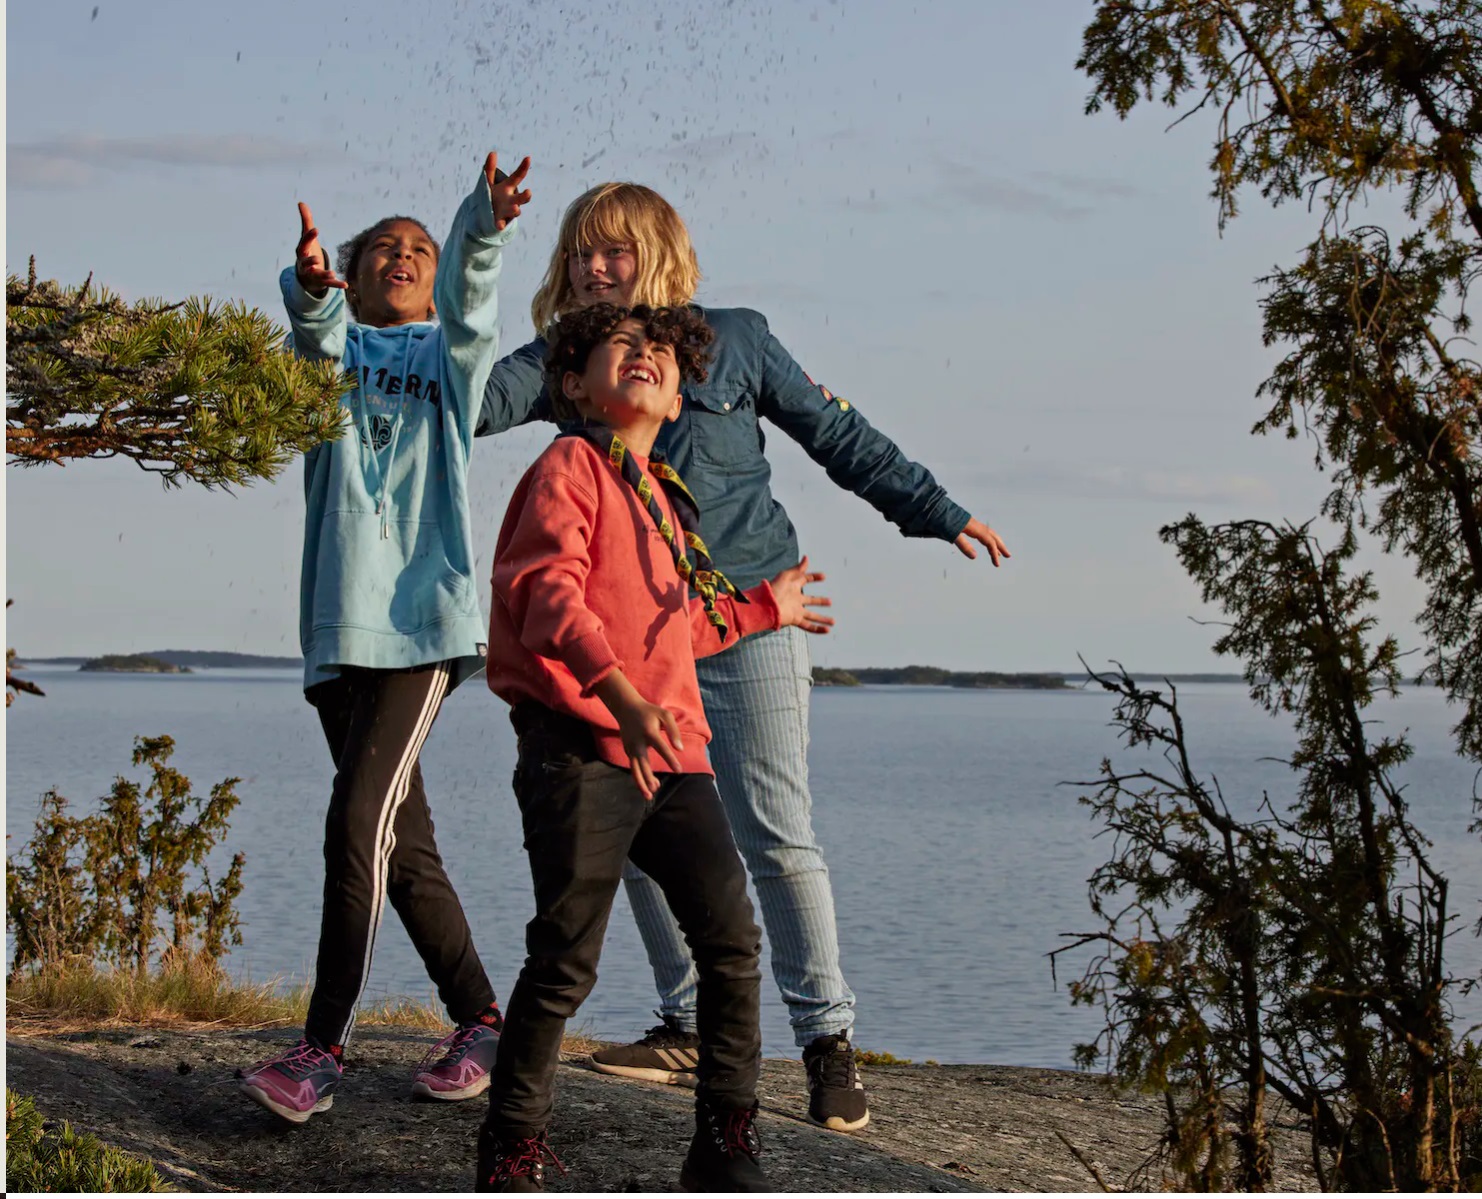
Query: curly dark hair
x,y
574,337
349,253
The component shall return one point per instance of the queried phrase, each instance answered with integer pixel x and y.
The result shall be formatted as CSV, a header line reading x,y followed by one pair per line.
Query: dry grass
x,y
189,994
196,994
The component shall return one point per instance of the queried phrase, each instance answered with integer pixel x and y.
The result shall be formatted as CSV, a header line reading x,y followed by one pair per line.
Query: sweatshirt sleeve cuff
x,y
300,301
590,660
762,615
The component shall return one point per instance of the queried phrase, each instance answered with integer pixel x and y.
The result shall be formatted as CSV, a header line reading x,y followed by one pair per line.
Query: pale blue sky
x,y
1033,302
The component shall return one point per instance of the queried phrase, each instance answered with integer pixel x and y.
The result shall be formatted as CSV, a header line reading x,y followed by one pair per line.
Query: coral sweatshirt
x,y
584,584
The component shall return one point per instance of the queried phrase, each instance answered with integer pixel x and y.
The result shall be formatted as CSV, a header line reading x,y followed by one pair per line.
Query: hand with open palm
x,y
311,260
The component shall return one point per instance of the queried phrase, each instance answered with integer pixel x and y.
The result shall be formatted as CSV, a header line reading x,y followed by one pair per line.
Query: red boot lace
x,y
528,1155
736,1132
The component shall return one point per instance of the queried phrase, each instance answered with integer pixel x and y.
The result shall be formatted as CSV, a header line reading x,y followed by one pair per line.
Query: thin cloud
x,y
1054,194
78,160
965,184
1090,185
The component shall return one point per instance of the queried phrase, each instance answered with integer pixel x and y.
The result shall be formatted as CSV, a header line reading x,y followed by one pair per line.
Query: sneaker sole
x,y
292,1115
675,1078
839,1124
422,1090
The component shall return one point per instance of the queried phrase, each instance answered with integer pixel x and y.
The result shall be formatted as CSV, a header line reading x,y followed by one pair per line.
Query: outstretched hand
x,y
977,531
508,198
311,261
794,605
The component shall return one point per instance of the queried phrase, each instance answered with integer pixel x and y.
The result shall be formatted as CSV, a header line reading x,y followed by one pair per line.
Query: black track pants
x,y
378,845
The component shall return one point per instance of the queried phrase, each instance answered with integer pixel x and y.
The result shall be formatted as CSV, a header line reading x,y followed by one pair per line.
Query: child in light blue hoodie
x,y
389,612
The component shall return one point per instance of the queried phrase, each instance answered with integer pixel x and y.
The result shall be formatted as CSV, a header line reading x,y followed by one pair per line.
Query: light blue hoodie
x,y
387,577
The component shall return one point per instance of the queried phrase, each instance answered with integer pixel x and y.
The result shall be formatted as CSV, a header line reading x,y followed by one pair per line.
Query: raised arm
x,y
314,296
858,457
466,288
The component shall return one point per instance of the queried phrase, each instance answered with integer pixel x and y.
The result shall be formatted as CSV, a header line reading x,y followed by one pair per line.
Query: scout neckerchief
x,y
701,574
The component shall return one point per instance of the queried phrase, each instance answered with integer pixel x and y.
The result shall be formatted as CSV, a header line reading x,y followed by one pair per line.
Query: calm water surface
x,y
957,857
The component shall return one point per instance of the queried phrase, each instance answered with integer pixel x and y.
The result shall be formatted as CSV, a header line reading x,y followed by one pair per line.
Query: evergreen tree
x,y
1328,102
1299,947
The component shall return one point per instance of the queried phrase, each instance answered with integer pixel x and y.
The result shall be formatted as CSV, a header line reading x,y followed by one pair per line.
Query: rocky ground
x,y
171,1095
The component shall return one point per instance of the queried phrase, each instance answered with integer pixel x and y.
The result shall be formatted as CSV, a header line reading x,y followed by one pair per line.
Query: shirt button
x,y
727,407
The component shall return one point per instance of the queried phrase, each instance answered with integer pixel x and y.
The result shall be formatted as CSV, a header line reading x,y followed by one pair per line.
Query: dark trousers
x,y
378,845
583,819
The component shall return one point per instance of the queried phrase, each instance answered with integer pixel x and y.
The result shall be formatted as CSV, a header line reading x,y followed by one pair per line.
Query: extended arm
x,y
514,394
861,459
775,605
466,290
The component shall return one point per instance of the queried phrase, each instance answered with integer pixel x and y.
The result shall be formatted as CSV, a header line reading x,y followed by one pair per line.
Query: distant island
x,y
211,659
133,664
934,676
823,676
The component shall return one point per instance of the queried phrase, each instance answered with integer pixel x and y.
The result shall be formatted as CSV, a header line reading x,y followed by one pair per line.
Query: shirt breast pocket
x,y
723,425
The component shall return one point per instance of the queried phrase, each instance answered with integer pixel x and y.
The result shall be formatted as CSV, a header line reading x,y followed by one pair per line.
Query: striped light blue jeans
x,y
756,700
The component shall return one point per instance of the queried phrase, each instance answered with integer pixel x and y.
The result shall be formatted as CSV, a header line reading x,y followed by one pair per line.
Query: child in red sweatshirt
x,y
593,642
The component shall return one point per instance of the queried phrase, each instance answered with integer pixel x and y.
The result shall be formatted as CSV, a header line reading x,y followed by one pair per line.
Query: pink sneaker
x,y
294,1084
463,1069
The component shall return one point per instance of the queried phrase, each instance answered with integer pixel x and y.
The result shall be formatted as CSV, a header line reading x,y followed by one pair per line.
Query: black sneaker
x,y
722,1156
836,1097
513,1163
667,1053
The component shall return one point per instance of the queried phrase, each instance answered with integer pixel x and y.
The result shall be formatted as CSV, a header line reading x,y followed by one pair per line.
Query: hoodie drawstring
x,y
383,477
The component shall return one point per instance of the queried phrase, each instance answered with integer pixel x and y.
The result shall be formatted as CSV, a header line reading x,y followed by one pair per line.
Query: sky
x,y
1035,303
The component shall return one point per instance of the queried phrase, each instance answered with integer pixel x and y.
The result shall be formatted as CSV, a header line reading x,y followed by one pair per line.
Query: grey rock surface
x,y
172,1096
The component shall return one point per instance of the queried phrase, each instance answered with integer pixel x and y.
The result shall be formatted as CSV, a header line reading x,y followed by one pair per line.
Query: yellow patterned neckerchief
x,y
702,574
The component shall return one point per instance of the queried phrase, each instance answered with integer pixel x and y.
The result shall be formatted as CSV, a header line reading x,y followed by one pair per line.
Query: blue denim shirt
x,y
718,445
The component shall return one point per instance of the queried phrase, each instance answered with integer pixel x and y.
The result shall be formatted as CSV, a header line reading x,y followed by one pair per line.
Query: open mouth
x,y
399,276
642,374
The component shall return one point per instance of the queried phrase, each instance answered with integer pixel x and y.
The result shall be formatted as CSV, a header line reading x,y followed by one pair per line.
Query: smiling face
x,y
393,279
603,273
630,383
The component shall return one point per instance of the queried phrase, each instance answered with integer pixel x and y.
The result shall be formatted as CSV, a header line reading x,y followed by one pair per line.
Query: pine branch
x,y
193,390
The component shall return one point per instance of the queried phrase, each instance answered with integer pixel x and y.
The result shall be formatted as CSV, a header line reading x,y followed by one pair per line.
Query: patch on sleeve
x,y
828,396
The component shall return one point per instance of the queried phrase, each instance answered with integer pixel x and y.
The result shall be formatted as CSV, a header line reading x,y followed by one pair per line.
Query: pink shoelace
x,y
296,1062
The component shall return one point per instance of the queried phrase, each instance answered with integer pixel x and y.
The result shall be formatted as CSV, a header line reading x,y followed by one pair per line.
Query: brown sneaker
x,y
836,1097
